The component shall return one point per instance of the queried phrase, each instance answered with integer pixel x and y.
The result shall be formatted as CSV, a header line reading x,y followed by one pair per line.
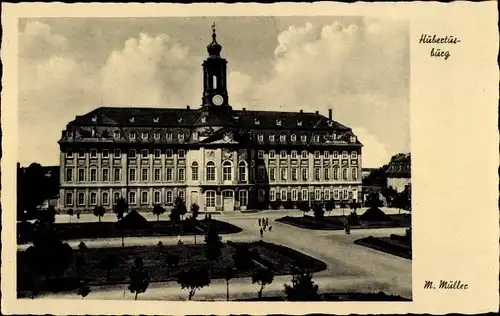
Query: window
x,y
326,173
195,135
326,195
304,174
345,194
81,175
157,153
210,171
69,198
256,121
144,174
243,197
272,154
132,175
93,198
271,138
261,195
283,154
316,154
170,153
316,138
284,172
156,135
157,197
118,153
157,174
116,197
131,135
304,154
344,174
81,153
335,173
299,123
353,139
304,195
317,195
272,174
303,138
294,195
105,153
170,197
316,174
117,134
335,155
181,174
181,154
117,174
283,195
93,174
105,198
194,171
181,137
145,135
293,137
354,155
144,197
69,154
294,174
282,138
93,153
344,155
210,199
69,175
168,135
81,198
105,175
260,138
261,173
182,195
144,153
260,154
336,194
326,155
131,197
278,122
354,173
170,173
131,119
242,171
272,195
294,154
227,170
131,153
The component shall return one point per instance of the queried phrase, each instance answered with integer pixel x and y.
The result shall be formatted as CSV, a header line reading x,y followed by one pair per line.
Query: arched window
x,y
227,171
354,173
242,171
210,171
214,82
194,171
210,199
344,174
243,197
335,173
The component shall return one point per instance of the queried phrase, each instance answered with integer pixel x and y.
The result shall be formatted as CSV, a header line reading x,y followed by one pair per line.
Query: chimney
x,y
244,109
188,107
317,112
329,114
301,111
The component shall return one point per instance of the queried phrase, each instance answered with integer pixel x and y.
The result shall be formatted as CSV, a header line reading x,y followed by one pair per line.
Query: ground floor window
x,y
317,195
105,198
261,195
327,194
116,197
243,198
182,195
304,194
69,198
132,197
283,195
156,197
272,195
345,194
144,197
336,194
170,197
294,195
210,199
93,198
81,198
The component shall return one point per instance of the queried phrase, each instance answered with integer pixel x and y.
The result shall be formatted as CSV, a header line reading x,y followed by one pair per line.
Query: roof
x,y
399,167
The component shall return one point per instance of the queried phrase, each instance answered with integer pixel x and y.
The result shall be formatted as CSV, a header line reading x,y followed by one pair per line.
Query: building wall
x,y
398,184
169,173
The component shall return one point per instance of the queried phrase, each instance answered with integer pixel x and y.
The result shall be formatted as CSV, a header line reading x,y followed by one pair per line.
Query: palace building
x,y
221,158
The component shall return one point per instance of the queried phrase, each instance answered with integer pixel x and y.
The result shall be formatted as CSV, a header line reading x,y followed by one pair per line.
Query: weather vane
x,y
213,27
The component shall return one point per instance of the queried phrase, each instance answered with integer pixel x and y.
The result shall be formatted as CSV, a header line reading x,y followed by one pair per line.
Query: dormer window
x,y
203,119
94,119
168,135
316,138
131,119
334,136
256,121
156,135
195,135
344,155
260,138
293,137
179,119
303,138
145,135
278,122
330,123
353,139
156,119
181,137
299,123
282,138
131,135
354,154
116,134
272,154
271,138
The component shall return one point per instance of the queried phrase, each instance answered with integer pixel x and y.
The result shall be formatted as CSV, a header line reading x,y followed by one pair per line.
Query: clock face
x,y
217,99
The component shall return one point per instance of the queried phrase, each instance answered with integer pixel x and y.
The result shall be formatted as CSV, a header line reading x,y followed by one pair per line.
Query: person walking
x,y
259,222
261,233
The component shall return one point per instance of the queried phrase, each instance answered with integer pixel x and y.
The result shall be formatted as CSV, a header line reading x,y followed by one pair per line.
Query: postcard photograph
x,y
223,158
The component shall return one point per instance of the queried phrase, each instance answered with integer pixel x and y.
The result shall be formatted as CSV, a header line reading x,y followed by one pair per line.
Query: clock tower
x,y
214,75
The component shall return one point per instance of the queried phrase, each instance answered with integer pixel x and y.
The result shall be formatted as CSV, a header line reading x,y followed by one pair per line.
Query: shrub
x,y
353,219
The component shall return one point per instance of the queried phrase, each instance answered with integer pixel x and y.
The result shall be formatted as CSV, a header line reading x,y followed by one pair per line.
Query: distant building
x,y
365,172
399,172
52,174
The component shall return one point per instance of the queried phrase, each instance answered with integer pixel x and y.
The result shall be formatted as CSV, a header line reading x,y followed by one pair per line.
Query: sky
x,y
357,66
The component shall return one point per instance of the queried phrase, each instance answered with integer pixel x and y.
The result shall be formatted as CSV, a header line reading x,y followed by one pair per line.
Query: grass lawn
x,y
397,247
154,257
343,297
69,231
335,222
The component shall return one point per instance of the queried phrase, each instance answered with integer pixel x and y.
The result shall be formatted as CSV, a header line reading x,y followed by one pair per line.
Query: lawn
x,y
395,245
69,231
282,260
342,297
336,223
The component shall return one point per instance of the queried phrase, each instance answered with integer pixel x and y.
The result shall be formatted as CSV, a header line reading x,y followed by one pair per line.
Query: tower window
x,y
256,121
299,123
214,82
278,122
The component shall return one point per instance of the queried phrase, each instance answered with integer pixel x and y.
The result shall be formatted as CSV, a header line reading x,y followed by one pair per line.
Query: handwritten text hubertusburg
x,y
446,285
434,39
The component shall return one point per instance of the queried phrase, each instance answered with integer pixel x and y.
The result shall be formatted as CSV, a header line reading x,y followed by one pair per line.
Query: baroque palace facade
x,y
220,158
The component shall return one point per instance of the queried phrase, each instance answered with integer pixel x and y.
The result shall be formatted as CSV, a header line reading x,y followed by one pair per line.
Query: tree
x,y
83,289
229,273
171,260
139,278
195,211
47,216
329,206
80,259
33,189
178,210
373,201
158,210
109,263
193,279
304,207
302,288
214,245
70,213
319,213
262,277
99,212
390,195
120,208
